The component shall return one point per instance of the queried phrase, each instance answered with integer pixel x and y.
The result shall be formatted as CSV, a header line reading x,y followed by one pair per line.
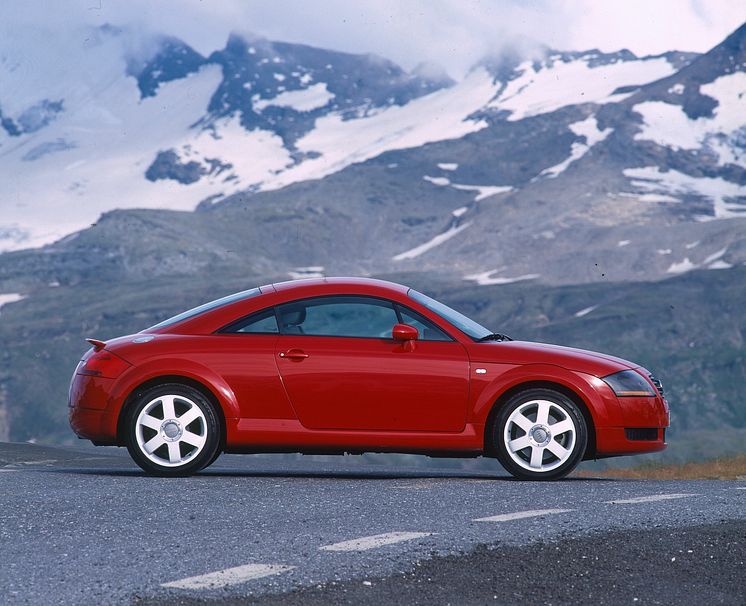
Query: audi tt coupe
x,y
341,365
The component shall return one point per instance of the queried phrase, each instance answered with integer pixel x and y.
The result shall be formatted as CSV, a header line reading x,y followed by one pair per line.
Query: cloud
x,y
452,33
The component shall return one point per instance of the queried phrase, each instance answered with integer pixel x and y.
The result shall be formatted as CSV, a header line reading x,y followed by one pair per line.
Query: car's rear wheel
x,y
172,430
540,434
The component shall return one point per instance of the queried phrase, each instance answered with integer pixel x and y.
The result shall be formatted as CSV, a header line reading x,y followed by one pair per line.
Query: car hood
x,y
526,352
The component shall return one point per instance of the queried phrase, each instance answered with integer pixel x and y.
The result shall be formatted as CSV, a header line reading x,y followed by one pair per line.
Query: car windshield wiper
x,y
494,336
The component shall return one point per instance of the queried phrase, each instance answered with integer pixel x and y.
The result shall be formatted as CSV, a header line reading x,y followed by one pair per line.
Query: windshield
x,y
459,320
245,294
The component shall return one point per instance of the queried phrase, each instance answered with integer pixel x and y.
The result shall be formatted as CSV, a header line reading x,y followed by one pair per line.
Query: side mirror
x,y
405,332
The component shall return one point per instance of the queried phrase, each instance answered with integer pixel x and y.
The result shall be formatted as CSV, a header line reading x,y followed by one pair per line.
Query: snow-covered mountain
x,y
92,126
123,123
634,156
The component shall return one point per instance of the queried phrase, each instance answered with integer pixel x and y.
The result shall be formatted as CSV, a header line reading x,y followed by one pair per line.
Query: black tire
x,y
576,446
215,457
209,423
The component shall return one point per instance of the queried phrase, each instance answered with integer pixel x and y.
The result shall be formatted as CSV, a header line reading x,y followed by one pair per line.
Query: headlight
x,y
629,383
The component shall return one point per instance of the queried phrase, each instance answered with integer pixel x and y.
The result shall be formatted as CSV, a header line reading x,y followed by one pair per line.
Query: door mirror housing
x,y
405,332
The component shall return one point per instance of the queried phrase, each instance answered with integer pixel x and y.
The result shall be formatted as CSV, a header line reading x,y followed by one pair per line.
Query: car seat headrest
x,y
293,315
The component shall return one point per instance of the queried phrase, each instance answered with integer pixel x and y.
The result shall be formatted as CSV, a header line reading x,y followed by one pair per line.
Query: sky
x,y
452,33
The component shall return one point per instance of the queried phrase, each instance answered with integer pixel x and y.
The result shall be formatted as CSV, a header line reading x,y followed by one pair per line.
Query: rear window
x,y
186,315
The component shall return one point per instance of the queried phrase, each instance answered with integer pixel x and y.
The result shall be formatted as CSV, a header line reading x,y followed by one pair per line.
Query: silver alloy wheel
x,y
171,430
540,435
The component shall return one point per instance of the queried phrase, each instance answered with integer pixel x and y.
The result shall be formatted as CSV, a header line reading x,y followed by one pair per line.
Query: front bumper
x,y
615,442
644,423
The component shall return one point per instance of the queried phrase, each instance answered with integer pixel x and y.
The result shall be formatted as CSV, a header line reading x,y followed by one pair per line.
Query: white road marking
x,y
649,499
520,515
228,576
376,540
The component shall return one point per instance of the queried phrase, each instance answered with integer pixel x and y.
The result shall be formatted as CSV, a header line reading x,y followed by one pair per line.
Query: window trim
x,y
395,305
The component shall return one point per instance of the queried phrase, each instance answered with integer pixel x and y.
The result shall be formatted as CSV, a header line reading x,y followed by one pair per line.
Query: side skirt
x,y
288,435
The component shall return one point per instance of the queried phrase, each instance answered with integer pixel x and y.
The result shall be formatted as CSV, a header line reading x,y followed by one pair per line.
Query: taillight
x,y
102,364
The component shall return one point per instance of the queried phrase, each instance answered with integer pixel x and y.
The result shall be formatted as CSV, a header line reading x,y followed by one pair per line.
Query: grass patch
x,y
725,468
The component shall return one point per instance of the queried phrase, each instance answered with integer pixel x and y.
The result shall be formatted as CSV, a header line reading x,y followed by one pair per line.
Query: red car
x,y
357,365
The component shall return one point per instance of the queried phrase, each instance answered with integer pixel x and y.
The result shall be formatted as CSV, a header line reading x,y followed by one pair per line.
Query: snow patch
x,y
662,198
313,271
587,128
664,251
339,142
460,211
585,311
251,154
430,244
715,256
483,191
623,243
114,134
681,267
487,278
303,100
546,89
717,190
720,265
667,124
439,181
448,166
10,298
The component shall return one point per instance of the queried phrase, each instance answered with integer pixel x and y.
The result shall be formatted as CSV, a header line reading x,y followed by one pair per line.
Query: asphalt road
x,y
87,527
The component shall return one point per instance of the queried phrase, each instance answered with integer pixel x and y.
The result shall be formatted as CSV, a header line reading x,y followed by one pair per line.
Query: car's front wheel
x,y
172,430
540,434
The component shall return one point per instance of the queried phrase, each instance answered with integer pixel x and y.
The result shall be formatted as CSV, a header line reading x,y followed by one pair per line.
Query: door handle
x,y
294,354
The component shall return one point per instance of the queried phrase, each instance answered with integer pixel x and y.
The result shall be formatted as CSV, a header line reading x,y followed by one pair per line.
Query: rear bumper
x,y
87,409
94,425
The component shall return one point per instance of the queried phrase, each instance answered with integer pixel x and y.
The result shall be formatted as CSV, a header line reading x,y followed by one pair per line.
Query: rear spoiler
x,y
97,345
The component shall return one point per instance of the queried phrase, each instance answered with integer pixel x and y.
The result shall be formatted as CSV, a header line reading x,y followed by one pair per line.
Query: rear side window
x,y
262,322
246,294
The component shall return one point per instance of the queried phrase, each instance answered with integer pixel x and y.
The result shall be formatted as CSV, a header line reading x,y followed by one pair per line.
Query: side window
x,y
338,317
262,322
428,330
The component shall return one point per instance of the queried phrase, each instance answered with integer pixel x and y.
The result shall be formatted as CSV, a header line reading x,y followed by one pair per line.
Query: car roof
x,y
335,283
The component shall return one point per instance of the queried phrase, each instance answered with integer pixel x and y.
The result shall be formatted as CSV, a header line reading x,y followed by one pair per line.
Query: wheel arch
x,y
205,390
506,395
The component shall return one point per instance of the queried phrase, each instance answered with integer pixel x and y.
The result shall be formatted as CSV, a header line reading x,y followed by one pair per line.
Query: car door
x,y
343,370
